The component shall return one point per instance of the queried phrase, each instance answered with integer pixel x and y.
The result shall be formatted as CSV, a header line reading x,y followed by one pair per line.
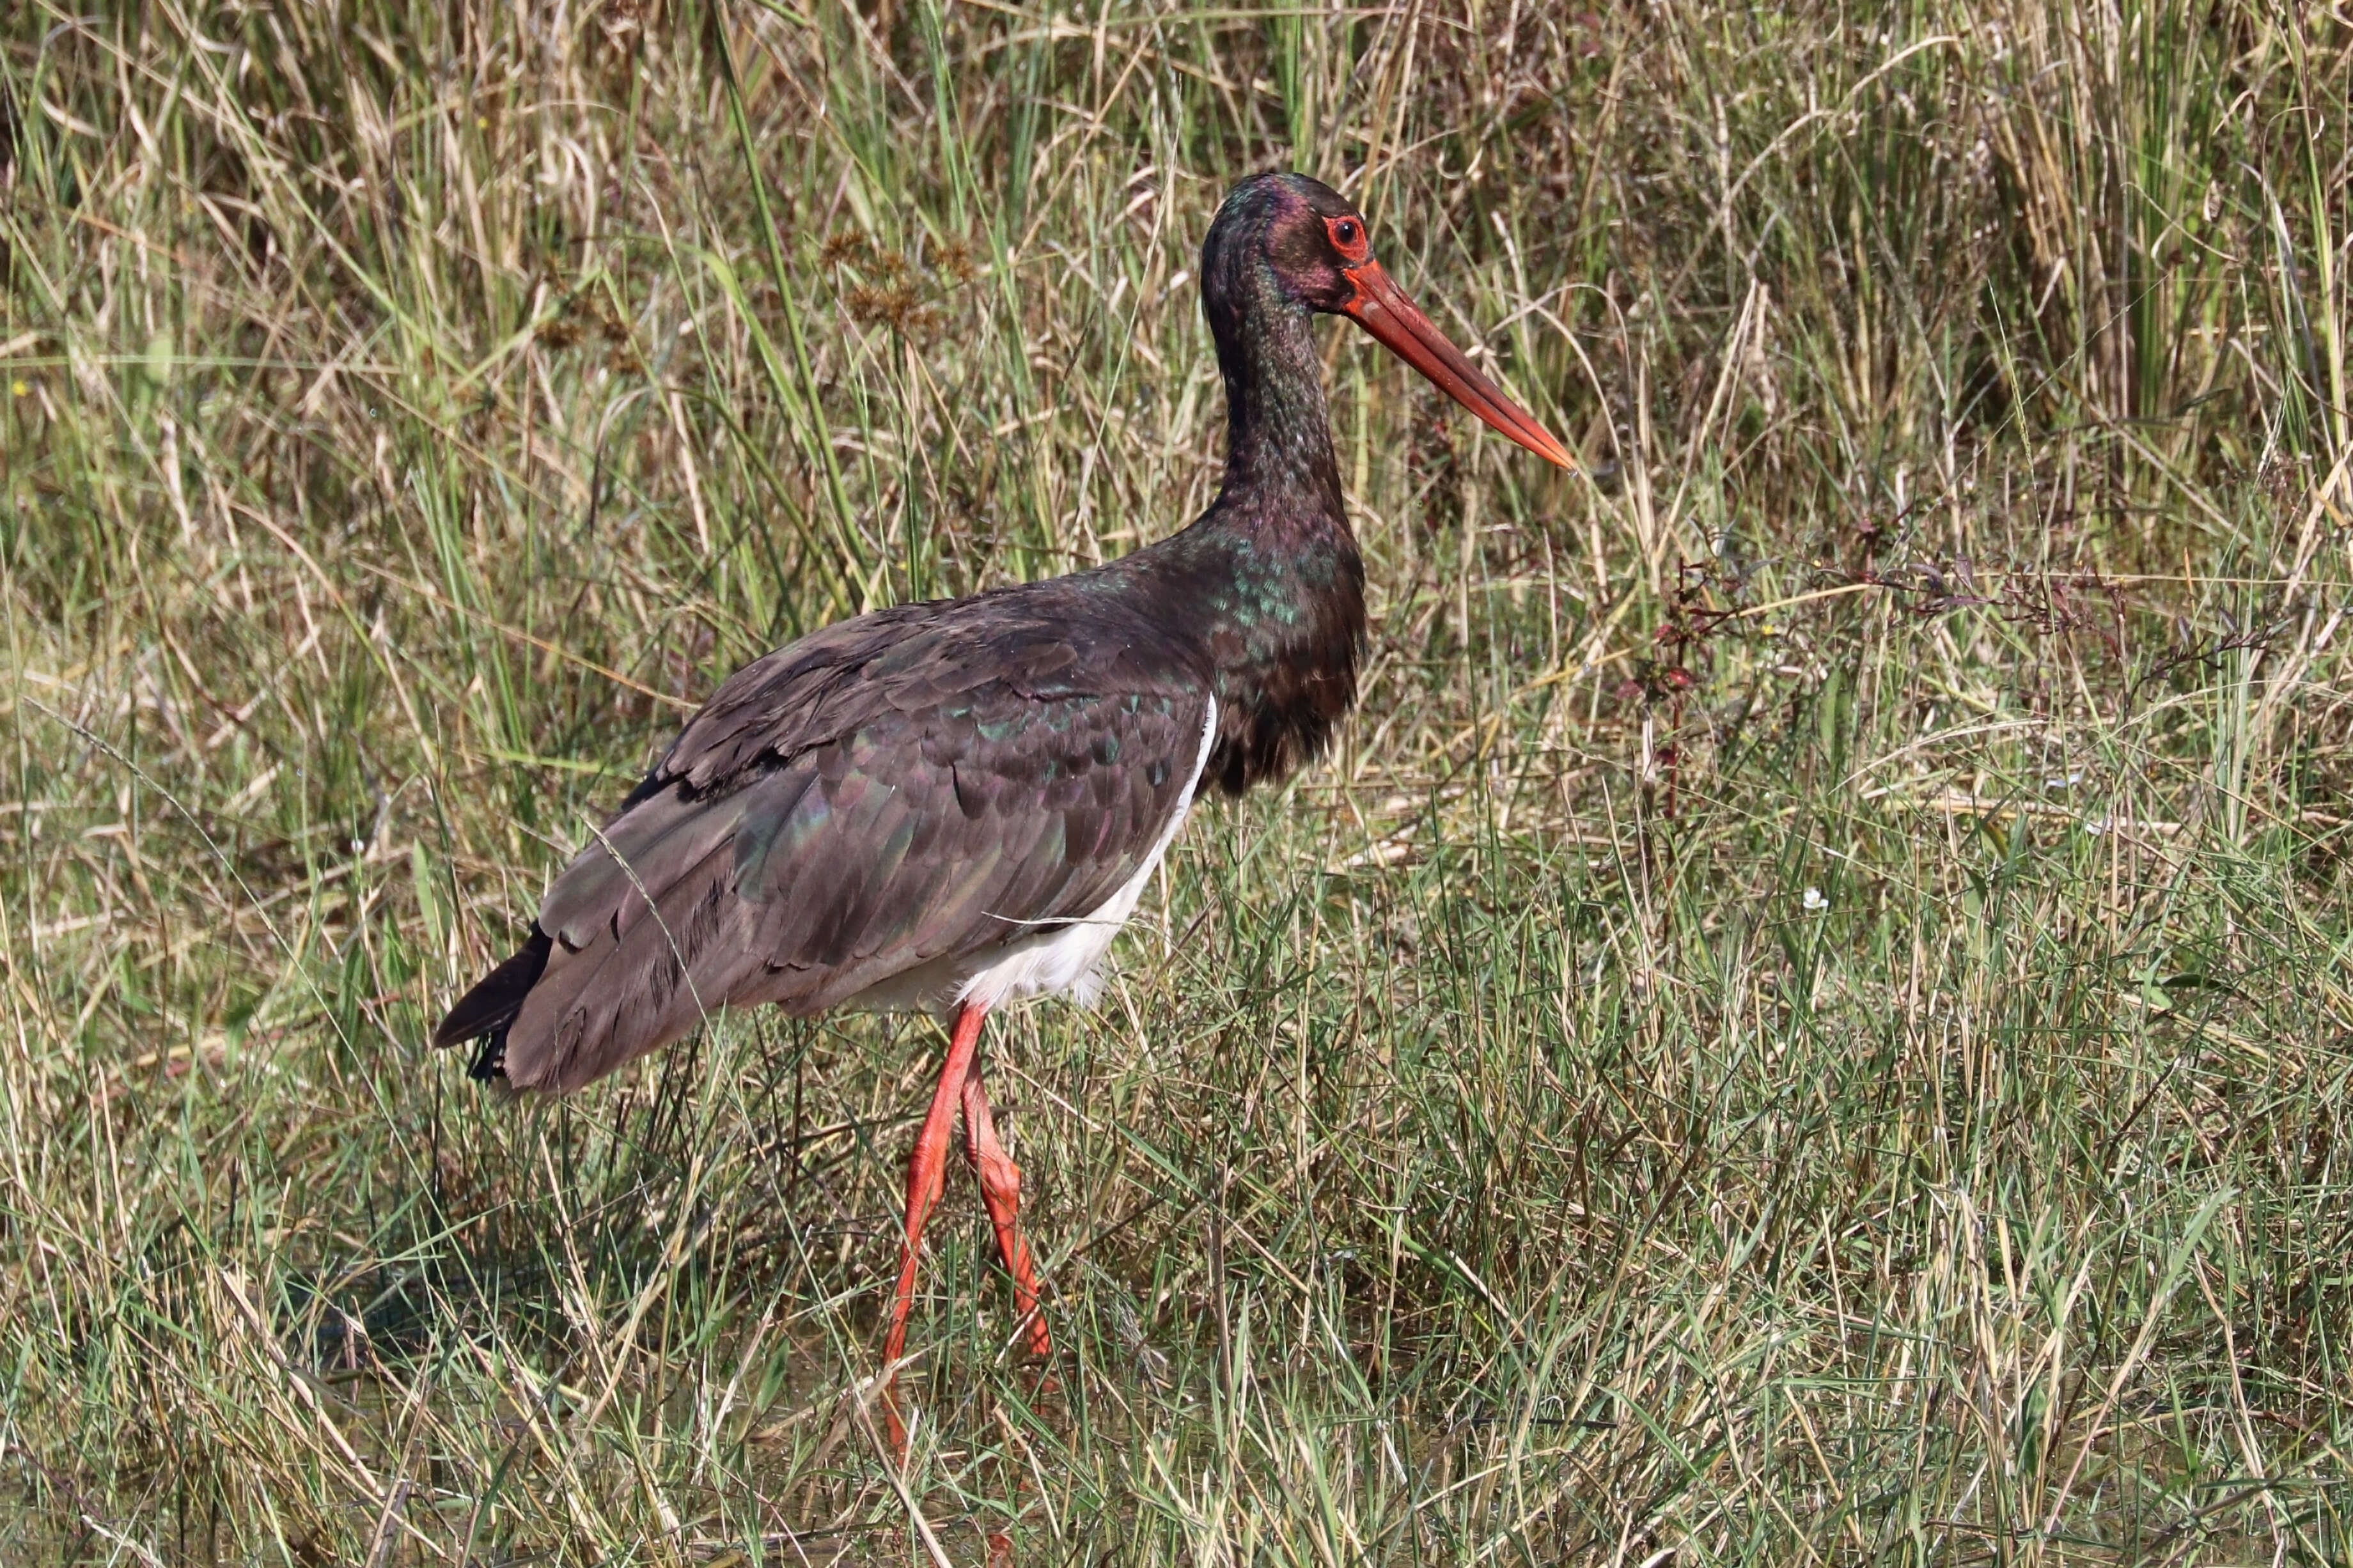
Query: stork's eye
x,y
1347,238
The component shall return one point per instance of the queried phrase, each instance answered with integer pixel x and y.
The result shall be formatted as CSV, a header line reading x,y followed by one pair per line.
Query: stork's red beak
x,y
1381,308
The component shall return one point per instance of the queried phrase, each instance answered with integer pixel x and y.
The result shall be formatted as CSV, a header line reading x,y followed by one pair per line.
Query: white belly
x,y
1063,959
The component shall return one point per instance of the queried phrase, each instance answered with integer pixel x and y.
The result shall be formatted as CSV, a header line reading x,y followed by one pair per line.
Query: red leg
x,y
925,1174
1000,1188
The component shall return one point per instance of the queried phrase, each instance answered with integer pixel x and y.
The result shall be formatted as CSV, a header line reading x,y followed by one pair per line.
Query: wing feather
x,y
941,832
924,783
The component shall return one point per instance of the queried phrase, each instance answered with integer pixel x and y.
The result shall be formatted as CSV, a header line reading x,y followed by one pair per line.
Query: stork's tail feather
x,y
487,1011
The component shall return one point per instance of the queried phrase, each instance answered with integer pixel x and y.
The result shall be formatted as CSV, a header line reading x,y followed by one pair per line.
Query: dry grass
x,y
1806,1022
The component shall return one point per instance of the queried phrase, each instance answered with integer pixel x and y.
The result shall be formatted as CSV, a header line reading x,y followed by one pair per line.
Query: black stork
x,y
954,806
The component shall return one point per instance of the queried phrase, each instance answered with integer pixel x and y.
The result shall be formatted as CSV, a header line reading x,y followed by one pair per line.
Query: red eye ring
x,y
1348,235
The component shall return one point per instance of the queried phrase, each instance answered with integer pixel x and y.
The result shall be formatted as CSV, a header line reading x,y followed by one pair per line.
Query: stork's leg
x,y
1000,1188
925,1172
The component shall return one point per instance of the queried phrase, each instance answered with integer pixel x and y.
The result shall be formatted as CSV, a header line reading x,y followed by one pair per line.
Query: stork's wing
x,y
924,821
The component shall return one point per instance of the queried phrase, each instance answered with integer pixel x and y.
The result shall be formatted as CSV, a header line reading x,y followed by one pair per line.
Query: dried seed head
x,y
896,307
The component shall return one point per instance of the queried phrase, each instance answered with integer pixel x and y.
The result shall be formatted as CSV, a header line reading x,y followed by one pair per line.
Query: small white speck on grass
x,y
1814,900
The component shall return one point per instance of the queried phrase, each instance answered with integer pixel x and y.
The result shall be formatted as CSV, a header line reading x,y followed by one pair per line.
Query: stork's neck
x,y
1278,428
1269,580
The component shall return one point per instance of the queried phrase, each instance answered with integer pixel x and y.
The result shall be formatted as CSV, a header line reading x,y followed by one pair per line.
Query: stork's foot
x,y
925,1171
1000,1188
